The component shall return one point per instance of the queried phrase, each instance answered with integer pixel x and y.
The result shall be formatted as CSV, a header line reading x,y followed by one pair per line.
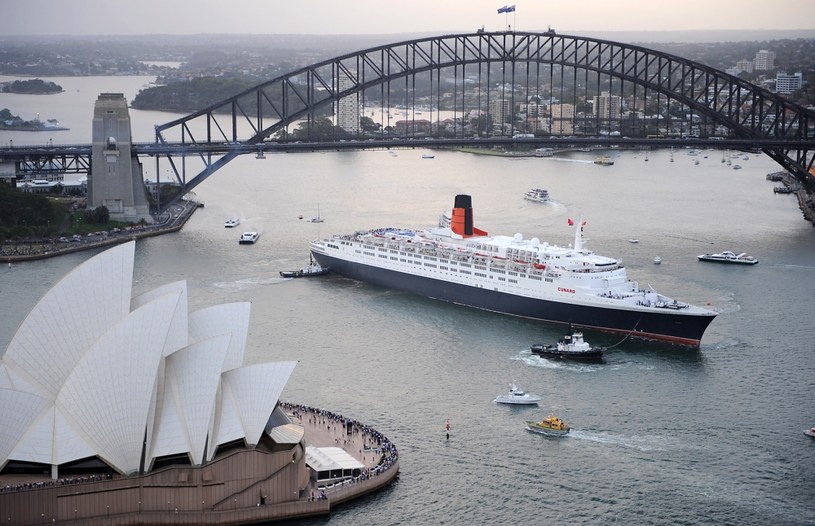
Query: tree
x,y
368,125
320,129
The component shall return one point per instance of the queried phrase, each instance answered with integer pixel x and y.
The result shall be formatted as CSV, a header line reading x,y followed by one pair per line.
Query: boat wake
x,y
638,442
248,283
541,362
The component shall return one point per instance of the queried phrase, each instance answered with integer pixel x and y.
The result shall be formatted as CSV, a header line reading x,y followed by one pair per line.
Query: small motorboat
x,y
232,222
517,396
634,241
657,260
810,432
571,346
551,425
248,238
313,269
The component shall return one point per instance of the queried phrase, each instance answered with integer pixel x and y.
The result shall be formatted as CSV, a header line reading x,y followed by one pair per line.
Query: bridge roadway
x,y
44,153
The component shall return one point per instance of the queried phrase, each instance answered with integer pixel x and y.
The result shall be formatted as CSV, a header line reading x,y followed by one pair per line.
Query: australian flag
x,y
506,9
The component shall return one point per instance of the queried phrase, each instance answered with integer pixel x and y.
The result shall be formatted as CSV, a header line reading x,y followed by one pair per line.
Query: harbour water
x,y
660,434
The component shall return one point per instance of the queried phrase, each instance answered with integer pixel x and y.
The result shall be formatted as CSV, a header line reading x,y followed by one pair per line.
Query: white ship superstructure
x,y
459,263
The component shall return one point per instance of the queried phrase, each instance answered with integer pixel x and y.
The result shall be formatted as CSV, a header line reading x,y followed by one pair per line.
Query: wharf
x,y
806,199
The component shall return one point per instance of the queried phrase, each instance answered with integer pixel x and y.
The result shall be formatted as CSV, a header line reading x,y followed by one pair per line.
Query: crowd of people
x,y
372,439
65,481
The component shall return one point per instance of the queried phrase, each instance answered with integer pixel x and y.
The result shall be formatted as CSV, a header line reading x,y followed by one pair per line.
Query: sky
x,y
359,17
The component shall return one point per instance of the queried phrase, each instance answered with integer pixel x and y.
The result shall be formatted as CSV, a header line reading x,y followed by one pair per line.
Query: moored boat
x,y
461,264
729,257
551,425
571,346
517,396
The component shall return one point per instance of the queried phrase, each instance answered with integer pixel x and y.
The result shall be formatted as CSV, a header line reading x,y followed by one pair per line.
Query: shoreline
x,y
37,251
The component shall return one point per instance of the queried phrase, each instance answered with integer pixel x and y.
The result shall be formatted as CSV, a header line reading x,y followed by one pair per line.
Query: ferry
x,y
462,264
538,195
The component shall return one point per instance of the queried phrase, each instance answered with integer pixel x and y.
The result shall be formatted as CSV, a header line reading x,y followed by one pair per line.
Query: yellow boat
x,y
551,425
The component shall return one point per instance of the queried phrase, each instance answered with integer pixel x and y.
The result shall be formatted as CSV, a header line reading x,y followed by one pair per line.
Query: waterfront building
x,y
787,84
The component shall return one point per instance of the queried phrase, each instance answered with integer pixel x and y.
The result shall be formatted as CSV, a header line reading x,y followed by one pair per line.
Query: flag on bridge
x,y
507,9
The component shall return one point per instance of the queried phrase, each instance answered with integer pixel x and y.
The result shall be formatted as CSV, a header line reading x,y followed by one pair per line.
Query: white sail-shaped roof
x,y
177,335
90,299
20,410
228,318
109,391
193,375
92,372
255,390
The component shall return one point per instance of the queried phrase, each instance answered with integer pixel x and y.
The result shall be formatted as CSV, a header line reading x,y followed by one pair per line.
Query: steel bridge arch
x,y
256,114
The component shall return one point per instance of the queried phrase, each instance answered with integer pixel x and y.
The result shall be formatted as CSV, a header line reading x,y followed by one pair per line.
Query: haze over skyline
x,y
183,17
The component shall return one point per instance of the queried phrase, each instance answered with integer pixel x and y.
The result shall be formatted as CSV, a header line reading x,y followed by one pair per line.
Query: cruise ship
x,y
459,263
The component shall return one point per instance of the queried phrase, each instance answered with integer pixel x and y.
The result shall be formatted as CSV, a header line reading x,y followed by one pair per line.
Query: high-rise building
x,y
745,65
785,83
764,61
348,107
562,119
500,111
607,106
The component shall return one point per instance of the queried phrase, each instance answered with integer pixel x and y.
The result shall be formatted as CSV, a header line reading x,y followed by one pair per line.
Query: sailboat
x,y
317,218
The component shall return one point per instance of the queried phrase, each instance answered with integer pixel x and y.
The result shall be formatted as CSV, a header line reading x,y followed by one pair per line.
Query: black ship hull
x,y
664,325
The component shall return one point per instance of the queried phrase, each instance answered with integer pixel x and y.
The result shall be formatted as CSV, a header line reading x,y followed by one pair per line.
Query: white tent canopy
x,y
332,463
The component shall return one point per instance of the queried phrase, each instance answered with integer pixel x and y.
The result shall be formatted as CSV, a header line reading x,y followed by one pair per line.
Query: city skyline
x,y
98,17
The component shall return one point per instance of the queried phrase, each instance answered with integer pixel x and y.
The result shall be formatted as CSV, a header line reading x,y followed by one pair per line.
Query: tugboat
x,y
313,269
571,346
551,425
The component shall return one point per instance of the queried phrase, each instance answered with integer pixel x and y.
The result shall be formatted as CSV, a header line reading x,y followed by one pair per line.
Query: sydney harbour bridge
x,y
482,89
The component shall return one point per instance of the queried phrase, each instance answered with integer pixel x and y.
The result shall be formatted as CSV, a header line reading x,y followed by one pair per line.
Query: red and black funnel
x,y
462,222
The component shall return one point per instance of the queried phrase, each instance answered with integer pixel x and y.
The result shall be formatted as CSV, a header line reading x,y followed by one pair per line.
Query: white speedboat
x,y
810,432
232,223
517,396
729,257
538,195
248,238
657,260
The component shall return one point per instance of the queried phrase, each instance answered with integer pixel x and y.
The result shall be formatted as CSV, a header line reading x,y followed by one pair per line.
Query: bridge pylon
x,y
115,179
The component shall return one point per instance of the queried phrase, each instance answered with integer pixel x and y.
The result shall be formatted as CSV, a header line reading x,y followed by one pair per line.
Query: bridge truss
x,y
472,85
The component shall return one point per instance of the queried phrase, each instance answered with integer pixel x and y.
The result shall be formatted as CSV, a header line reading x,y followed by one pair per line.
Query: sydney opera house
x,y
133,410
